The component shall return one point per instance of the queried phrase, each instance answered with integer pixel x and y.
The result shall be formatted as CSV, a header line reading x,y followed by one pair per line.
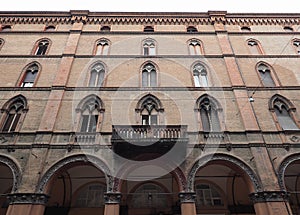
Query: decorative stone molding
x,y
222,157
187,197
112,198
16,172
269,196
72,159
281,170
27,198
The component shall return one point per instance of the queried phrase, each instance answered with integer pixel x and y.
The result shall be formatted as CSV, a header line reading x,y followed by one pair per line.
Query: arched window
x,y
97,75
30,75
191,29
288,29
207,195
5,28
296,44
254,47
149,76
90,109
209,110
200,75
149,47
91,195
105,28
148,29
50,28
265,75
149,108
102,47
41,47
284,112
14,112
195,47
149,195
245,28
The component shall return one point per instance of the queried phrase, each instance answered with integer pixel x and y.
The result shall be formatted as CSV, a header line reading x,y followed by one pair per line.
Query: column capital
x,y
27,198
269,196
187,197
112,198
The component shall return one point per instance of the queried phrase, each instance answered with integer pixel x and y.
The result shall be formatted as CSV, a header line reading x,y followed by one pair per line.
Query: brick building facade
x,y
149,113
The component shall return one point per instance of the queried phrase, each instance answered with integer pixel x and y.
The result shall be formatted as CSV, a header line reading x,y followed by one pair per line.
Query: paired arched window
x,y
296,44
200,75
149,109
209,110
191,29
102,47
265,74
254,47
207,195
97,75
284,112
90,109
91,195
14,111
149,47
195,47
41,47
149,75
148,29
30,75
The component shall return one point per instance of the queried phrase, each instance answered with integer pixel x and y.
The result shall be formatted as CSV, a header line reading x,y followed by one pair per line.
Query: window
x,y
90,109
191,29
97,75
91,196
149,78
149,47
148,29
288,29
208,108
102,47
149,195
42,47
265,75
30,75
254,47
50,28
105,28
149,108
296,44
207,195
284,112
13,110
245,28
6,28
195,47
200,75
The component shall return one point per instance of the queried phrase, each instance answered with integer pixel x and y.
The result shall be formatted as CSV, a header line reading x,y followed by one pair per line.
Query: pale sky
x,y
232,6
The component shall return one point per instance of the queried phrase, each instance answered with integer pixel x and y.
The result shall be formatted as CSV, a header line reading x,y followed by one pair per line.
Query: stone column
x,y
112,203
187,203
271,203
26,203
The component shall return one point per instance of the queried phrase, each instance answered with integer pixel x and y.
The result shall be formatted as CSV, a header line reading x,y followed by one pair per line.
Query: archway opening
x,y
77,190
222,188
6,184
292,184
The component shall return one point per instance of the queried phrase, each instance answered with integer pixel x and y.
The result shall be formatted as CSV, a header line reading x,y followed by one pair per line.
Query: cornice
x,y
149,18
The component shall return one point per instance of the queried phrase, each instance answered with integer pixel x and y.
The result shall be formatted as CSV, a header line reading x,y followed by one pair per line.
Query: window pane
x,y
285,120
93,123
30,76
145,79
8,122
153,119
205,120
93,78
100,79
266,78
152,51
192,50
197,81
146,50
84,123
197,50
145,119
105,49
153,78
215,124
204,82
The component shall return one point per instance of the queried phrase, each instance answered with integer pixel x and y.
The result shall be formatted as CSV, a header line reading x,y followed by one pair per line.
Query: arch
x,y
15,169
245,28
282,168
191,29
89,98
195,46
16,98
102,46
148,28
296,45
288,28
105,28
33,67
49,28
41,46
267,75
275,97
97,72
254,46
152,98
225,158
59,165
200,74
6,28
214,101
149,74
149,46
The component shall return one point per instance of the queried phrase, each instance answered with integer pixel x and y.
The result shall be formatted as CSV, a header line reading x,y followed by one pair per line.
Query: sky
x,y
231,6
